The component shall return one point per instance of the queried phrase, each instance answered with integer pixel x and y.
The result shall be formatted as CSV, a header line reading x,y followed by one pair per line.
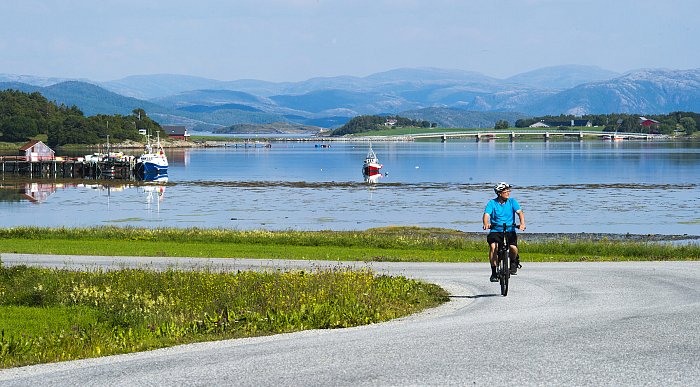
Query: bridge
x,y
546,135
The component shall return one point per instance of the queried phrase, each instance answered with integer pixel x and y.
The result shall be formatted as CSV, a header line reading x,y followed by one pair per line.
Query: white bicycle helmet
x,y
500,187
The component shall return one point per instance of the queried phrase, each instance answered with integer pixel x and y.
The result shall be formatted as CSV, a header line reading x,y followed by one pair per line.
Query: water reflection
x,y
154,194
156,177
39,192
34,192
372,179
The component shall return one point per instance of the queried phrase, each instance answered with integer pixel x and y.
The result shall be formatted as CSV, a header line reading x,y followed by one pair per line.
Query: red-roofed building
x,y
176,132
36,151
647,122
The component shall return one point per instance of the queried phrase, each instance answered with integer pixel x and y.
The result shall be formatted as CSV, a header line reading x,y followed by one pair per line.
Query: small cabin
x,y
176,132
37,151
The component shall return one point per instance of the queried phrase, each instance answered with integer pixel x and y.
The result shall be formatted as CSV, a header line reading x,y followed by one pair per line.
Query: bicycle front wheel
x,y
505,273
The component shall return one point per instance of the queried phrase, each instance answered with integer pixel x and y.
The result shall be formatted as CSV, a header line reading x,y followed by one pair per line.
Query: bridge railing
x,y
546,134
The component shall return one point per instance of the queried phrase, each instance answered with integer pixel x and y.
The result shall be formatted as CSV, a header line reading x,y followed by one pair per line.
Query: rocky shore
x,y
129,144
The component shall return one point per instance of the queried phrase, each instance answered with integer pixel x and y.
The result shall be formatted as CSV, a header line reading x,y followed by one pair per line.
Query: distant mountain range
x,y
451,98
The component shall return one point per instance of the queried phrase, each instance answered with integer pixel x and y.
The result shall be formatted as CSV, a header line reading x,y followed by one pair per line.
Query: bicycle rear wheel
x,y
504,272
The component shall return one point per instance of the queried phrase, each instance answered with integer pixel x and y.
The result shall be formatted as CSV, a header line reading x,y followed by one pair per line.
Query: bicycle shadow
x,y
478,296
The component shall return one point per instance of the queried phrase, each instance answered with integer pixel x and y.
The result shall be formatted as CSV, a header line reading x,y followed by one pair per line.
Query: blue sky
x,y
292,40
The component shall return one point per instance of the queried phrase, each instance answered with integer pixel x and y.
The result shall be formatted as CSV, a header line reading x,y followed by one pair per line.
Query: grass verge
x,y
401,244
53,315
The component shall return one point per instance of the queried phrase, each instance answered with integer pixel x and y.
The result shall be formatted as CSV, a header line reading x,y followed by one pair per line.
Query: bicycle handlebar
x,y
491,226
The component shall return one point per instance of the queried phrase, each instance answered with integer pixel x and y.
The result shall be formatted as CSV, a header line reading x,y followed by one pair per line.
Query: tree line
x,y
369,123
24,116
671,123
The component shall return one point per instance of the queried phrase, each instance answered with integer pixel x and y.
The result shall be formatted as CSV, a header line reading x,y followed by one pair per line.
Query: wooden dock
x,y
107,169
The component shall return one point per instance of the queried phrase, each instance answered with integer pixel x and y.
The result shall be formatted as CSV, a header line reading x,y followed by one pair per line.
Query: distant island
x,y
272,128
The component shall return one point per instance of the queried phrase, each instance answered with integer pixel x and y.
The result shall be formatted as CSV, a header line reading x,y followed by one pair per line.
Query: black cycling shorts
x,y
497,237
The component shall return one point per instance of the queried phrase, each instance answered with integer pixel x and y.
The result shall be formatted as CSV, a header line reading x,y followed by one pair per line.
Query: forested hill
x,y
370,123
672,123
25,116
91,99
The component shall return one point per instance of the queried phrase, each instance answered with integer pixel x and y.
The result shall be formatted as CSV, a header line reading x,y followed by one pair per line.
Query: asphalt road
x,y
631,323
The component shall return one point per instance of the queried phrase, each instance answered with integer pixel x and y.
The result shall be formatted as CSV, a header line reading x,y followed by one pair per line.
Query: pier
x,y
107,169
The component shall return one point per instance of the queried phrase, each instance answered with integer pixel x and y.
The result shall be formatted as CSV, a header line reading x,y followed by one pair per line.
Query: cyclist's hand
x,y
487,226
521,227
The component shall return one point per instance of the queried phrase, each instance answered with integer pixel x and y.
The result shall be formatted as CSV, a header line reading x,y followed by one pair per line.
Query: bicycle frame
x,y
503,260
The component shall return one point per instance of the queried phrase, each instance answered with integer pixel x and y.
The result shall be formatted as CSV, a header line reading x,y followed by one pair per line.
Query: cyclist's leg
x,y
493,255
513,251
514,254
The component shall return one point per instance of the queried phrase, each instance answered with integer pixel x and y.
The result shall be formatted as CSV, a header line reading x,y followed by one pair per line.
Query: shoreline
x,y
584,236
410,244
223,141
556,236
536,237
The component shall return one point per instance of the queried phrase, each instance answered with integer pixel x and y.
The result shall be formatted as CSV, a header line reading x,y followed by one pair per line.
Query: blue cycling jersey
x,y
500,213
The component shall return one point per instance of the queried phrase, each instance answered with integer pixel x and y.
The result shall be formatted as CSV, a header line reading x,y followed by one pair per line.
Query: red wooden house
x,y
176,132
648,122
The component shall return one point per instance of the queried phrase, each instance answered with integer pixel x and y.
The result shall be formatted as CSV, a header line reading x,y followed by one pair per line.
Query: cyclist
x,y
498,211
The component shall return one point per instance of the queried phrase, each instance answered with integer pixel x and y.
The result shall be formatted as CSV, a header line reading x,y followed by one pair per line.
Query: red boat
x,y
371,167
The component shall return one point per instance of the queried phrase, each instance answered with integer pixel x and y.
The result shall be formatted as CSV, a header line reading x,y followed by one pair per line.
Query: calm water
x,y
592,186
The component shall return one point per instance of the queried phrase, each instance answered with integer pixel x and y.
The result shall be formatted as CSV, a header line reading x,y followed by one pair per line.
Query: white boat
x,y
153,158
95,157
613,137
371,167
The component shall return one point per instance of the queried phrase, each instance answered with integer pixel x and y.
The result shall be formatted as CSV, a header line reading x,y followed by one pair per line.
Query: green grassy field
x,y
401,244
50,315
216,138
9,146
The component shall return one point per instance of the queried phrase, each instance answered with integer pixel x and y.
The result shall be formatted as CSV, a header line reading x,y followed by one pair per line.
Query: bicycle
x,y
503,260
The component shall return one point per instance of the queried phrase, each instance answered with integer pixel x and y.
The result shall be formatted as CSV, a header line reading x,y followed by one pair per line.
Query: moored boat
x,y
153,159
371,167
613,137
